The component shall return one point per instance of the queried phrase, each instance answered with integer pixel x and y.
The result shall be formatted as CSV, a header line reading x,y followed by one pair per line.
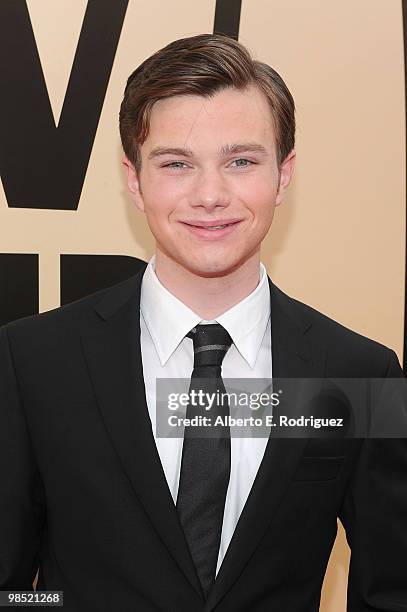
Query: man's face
x,y
210,161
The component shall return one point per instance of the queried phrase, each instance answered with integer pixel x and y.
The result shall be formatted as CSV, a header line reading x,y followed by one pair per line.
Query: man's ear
x,y
133,183
286,173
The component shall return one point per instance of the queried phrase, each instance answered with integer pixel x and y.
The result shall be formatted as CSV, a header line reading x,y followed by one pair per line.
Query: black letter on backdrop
x,y
80,276
227,17
44,166
84,274
19,295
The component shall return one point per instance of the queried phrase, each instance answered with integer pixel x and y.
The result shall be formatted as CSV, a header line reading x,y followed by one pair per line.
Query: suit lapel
x,y
113,354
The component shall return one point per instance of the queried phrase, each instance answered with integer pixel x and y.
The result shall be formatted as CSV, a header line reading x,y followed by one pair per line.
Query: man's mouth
x,y
218,229
213,225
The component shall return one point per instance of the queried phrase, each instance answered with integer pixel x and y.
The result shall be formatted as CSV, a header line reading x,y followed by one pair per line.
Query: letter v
x,y
43,165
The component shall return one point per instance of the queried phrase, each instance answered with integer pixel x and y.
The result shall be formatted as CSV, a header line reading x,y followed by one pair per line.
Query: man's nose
x,y
209,189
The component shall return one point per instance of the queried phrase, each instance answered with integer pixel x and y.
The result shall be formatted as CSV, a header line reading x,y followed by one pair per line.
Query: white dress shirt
x,y
166,353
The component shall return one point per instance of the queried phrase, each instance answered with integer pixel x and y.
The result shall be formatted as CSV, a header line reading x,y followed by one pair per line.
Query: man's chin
x,y
203,266
214,269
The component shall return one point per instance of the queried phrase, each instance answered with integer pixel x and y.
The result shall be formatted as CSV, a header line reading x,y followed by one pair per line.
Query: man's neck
x,y
209,297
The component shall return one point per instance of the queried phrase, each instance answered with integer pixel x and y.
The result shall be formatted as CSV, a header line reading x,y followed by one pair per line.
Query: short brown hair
x,y
201,65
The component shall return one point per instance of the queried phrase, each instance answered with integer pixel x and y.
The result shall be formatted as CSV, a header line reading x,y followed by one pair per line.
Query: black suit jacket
x,y
84,495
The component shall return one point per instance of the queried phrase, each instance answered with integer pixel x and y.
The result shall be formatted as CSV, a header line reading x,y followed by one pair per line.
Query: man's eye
x,y
242,162
176,165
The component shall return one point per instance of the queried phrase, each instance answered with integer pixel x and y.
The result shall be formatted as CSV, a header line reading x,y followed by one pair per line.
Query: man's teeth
x,y
213,227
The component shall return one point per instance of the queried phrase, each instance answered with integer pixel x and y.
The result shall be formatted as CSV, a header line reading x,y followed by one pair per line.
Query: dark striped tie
x,y
205,464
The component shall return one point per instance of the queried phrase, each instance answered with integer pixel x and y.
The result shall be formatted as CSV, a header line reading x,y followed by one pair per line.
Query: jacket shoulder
x,y
346,349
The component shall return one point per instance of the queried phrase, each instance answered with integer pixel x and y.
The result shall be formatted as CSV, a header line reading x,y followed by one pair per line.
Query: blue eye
x,y
177,165
242,159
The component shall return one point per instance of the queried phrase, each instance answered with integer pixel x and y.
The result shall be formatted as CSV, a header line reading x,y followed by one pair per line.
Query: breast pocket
x,y
318,468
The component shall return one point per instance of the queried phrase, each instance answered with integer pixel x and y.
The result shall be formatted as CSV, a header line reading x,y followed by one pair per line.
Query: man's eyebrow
x,y
157,151
233,149
244,147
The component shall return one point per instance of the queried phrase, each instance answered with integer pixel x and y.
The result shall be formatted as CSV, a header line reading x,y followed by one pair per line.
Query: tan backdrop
x,y
338,242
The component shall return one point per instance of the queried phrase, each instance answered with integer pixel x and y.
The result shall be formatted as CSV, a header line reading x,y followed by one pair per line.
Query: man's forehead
x,y
230,122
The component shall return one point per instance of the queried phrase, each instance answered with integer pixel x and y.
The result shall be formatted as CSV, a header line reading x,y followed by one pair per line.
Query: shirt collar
x,y
168,319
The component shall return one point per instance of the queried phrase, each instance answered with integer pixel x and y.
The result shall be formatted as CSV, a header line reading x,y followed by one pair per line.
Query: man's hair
x,y
201,65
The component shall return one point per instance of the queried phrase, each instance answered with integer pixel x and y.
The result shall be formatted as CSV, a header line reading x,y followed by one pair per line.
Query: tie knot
x,y
211,343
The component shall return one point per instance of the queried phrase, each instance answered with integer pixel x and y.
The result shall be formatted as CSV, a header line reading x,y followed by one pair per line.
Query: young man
x,y
119,518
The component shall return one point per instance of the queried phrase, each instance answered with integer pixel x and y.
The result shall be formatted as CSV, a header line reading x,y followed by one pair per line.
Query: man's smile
x,y
212,229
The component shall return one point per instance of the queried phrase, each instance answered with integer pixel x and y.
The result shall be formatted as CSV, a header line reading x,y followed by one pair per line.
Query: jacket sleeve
x,y
22,497
374,515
